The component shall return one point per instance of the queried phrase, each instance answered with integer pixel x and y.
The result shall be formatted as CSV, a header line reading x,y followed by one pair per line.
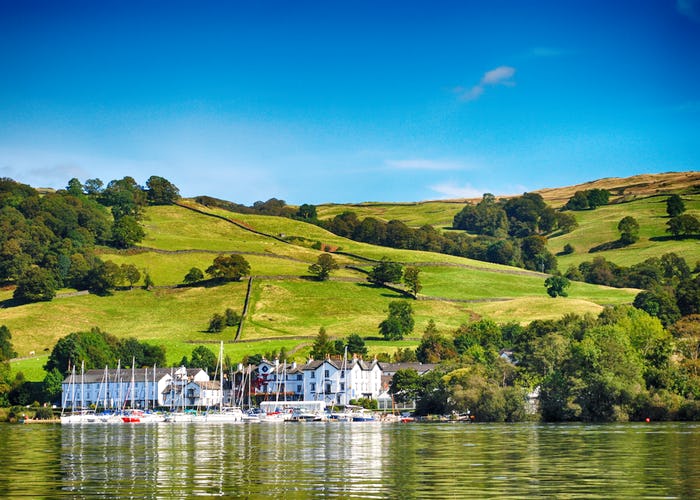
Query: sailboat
x,y
225,414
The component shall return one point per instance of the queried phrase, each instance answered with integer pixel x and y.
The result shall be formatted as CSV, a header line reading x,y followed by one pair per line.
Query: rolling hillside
x,y
286,307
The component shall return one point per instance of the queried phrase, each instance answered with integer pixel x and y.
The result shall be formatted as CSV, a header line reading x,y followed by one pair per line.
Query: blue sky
x,y
349,101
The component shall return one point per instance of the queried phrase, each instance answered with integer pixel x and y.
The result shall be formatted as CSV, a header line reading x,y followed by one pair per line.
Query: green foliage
x,y
356,345
202,357
399,322
35,285
588,199
126,232
405,385
307,212
44,413
323,266
434,347
161,191
99,349
6,350
629,230
411,277
674,205
366,403
322,346
385,271
229,268
216,323
52,384
486,217
129,273
556,286
231,317
193,276
535,255
659,303
683,225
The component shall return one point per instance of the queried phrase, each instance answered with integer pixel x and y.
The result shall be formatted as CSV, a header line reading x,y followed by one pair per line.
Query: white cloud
x,y
689,9
501,75
425,164
452,190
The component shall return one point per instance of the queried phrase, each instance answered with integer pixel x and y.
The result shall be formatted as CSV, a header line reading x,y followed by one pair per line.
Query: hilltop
x,y
286,307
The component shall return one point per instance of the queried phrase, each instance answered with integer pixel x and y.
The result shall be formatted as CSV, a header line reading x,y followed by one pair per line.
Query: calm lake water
x,y
351,460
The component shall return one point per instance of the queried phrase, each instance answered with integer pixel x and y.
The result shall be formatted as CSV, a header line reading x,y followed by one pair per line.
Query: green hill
x,y
287,308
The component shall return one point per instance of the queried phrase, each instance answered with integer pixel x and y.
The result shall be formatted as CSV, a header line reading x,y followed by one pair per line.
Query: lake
x,y
351,460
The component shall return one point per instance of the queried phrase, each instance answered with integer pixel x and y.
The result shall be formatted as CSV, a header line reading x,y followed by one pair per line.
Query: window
x,y
326,374
313,387
342,374
300,376
313,375
342,386
298,389
328,388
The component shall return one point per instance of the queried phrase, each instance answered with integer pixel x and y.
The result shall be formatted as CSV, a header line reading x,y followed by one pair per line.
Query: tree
x,y
356,345
148,283
53,384
322,345
93,187
307,212
126,232
216,323
231,317
434,347
323,266
74,187
102,277
35,285
683,225
412,280
629,230
399,322
566,222
535,254
161,191
405,385
556,286
203,358
659,303
579,201
6,350
229,268
130,273
193,276
674,205
385,271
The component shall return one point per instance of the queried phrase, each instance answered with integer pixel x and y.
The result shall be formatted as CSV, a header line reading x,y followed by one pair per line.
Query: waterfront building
x,y
126,388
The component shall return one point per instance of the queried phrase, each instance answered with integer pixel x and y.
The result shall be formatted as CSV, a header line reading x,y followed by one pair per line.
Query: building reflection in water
x,y
179,460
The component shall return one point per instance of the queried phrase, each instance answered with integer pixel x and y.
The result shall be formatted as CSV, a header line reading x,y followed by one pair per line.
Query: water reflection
x,y
347,460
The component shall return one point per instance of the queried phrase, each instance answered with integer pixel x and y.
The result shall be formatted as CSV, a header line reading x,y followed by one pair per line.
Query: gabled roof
x,y
421,368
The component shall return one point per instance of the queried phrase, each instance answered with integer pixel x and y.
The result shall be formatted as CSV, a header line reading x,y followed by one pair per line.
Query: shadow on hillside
x,y
675,238
7,303
611,245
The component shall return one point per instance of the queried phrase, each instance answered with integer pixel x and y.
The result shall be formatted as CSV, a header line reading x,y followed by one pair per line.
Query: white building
x,y
335,381
125,388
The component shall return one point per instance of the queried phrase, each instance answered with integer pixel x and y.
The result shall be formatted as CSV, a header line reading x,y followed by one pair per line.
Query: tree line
x,y
621,365
47,241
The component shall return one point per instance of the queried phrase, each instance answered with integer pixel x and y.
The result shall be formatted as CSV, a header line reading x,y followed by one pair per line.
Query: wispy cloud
x,y
547,52
450,190
689,9
501,75
425,164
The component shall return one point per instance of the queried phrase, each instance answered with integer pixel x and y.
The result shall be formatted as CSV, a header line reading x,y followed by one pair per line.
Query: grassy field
x,y
287,308
599,226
